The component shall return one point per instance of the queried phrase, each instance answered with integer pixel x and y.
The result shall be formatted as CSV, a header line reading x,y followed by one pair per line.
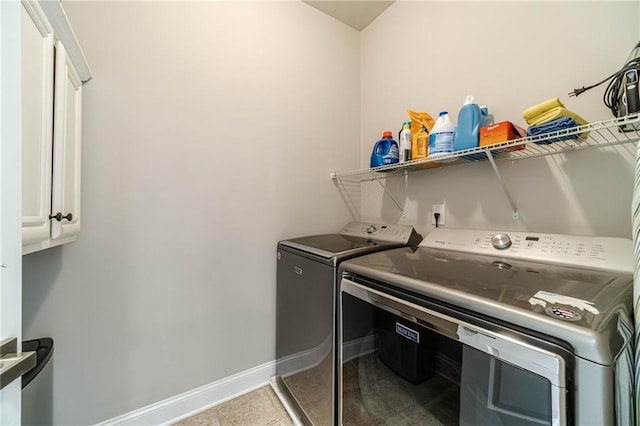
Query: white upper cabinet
x,y
37,123
66,147
53,71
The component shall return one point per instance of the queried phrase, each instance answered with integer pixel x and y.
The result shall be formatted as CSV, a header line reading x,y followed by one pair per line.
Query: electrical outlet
x,y
437,208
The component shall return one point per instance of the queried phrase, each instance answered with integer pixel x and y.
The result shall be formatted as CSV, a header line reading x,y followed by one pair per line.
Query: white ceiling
x,y
355,13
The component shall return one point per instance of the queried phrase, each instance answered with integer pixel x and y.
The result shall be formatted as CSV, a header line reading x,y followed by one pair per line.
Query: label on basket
x,y
408,333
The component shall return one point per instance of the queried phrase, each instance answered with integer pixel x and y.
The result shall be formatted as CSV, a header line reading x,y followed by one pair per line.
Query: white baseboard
x,y
196,400
358,347
301,361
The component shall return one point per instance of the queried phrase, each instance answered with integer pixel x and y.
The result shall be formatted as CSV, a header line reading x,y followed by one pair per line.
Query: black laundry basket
x,y
37,384
406,348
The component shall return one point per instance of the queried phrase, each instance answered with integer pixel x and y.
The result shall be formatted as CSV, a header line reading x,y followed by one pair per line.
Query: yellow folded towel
x,y
554,114
536,110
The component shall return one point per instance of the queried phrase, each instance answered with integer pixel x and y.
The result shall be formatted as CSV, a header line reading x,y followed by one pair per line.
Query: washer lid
x,y
356,238
588,308
330,245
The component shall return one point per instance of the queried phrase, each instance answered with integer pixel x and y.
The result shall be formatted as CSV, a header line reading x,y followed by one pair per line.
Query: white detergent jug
x,y
442,136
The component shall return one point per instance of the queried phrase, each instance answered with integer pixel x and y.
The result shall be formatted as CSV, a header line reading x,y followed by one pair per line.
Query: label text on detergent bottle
x,y
392,155
441,143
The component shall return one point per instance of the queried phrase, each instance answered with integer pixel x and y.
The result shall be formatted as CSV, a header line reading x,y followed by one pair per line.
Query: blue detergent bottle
x,y
486,119
470,119
385,151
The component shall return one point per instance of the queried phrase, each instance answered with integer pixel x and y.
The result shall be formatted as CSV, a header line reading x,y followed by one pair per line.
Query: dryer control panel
x,y
393,233
600,253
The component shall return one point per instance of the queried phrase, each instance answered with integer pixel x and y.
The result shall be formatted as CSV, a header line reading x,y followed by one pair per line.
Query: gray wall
x,y
510,55
209,132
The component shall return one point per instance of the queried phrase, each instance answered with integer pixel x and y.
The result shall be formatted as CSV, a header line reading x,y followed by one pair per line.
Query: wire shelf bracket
x,y
390,195
514,208
345,183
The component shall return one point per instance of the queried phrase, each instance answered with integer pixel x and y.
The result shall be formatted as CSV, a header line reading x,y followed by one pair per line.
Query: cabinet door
x,y
37,123
66,146
10,261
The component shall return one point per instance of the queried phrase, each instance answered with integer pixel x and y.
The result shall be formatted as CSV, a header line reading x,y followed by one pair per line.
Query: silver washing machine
x,y
305,321
488,328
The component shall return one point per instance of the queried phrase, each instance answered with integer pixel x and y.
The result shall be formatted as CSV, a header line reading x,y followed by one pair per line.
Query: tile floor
x,y
373,395
258,408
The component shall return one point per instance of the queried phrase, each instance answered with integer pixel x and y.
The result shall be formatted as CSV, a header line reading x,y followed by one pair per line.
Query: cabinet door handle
x,y
58,216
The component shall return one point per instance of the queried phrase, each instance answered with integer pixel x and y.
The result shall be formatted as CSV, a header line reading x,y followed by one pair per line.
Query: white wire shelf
x,y
598,134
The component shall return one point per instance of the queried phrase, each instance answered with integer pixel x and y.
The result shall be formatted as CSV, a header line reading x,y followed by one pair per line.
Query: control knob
x,y
501,241
370,229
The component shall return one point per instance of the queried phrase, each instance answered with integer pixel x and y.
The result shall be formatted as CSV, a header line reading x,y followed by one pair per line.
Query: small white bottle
x,y
405,142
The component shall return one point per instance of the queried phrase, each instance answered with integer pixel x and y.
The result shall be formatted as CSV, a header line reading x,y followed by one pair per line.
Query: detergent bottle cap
x,y
470,99
484,109
443,113
387,134
406,125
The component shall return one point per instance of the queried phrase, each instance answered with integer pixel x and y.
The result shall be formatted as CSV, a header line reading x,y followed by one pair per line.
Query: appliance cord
x,y
611,93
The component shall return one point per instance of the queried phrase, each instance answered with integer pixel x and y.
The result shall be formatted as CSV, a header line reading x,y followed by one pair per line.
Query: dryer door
x,y
402,362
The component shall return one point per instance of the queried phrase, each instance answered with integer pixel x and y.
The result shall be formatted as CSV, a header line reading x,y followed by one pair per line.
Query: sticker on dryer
x,y
543,297
562,313
408,333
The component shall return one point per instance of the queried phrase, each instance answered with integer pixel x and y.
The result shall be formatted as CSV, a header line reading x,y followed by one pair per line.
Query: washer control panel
x,y
377,231
602,253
